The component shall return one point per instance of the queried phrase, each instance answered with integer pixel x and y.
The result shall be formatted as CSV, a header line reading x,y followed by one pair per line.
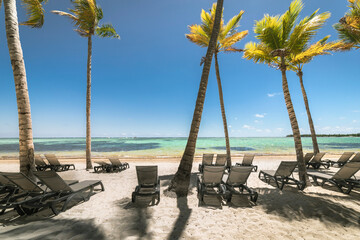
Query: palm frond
x,y
230,27
106,30
348,27
233,39
35,13
259,53
268,31
289,17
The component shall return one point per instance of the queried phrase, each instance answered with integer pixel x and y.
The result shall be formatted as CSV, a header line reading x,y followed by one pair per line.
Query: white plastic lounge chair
x,y
220,160
206,161
148,183
210,182
281,176
236,183
344,178
316,162
247,161
342,160
56,165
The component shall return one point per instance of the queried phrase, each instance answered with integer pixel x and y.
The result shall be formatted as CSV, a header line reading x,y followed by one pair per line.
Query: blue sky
x,y
146,83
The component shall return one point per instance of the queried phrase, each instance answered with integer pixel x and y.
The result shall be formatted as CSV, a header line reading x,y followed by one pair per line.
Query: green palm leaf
x,y
107,30
35,13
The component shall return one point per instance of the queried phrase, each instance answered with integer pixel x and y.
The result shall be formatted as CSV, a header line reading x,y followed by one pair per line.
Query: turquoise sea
x,y
137,147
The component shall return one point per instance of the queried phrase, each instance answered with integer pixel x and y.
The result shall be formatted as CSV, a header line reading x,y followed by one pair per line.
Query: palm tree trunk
x,y
311,124
294,126
88,105
180,182
228,154
26,145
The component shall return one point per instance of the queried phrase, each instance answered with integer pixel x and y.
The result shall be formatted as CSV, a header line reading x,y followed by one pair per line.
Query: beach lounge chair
x,y
236,182
103,166
247,161
210,182
281,176
307,157
342,160
356,158
56,165
220,160
65,192
148,183
316,162
344,178
41,165
116,164
206,161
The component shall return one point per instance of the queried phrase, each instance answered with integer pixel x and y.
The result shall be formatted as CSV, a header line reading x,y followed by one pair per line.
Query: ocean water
x,y
137,147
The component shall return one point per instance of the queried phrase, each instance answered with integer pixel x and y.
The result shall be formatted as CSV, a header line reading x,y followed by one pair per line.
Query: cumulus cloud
x,y
258,115
273,94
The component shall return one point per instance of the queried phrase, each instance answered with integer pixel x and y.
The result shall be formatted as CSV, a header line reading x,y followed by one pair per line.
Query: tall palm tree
x,y
279,37
348,26
35,14
181,180
86,16
227,38
304,56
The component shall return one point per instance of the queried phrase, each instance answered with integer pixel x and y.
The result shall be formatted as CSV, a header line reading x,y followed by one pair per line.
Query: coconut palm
x,y
349,26
86,16
228,37
180,182
35,14
304,56
279,37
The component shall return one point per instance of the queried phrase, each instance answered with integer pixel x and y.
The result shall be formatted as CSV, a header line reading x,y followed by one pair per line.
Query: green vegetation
x,y
329,135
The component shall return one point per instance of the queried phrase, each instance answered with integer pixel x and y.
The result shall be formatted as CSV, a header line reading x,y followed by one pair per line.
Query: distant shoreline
x,y
329,135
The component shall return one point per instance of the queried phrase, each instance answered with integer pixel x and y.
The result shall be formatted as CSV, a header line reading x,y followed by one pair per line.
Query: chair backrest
x,y
101,162
347,171
285,168
39,160
53,181
238,175
213,174
308,157
207,159
147,175
220,160
115,161
248,159
4,181
22,181
356,158
345,157
53,160
317,158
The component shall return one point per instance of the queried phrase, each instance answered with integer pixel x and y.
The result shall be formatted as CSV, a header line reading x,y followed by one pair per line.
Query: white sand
x,y
316,213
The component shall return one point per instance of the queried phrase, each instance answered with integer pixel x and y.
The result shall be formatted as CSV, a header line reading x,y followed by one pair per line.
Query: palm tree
x,y
227,38
279,37
35,14
86,16
305,55
349,25
181,180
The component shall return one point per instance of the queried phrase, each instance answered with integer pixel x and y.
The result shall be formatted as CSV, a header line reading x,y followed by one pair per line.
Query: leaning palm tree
x,y
304,56
180,182
348,26
86,16
227,38
35,14
279,37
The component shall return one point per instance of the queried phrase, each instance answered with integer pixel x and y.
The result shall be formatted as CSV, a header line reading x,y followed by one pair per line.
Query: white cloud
x,y
354,121
356,111
256,121
248,127
260,115
280,129
230,126
273,94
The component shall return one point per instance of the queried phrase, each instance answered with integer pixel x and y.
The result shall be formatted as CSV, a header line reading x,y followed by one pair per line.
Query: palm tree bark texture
x,y
180,182
88,106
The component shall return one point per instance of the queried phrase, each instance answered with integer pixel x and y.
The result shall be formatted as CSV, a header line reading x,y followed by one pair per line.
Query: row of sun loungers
x,y
115,165
207,160
27,197
316,161
54,163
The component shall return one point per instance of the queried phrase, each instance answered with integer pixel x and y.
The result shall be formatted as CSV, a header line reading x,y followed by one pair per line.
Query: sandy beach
x,y
316,213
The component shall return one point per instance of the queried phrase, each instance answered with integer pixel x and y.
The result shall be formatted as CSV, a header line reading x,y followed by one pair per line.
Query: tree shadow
x,y
55,229
295,206
165,181
182,219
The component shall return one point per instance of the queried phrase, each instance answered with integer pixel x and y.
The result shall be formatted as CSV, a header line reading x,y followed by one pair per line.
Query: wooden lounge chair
x,y
316,162
103,166
206,160
356,158
210,182
247,161
281,176
41,165
343,179
148,183
56,165
237,179
220,160
342,160
65,192
116,164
